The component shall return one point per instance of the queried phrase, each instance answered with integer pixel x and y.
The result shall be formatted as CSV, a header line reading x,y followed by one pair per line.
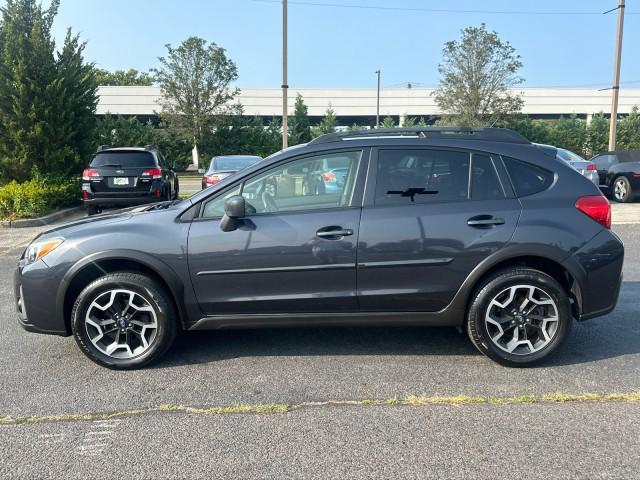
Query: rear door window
x,y
603,162
123,160
421,176
527,179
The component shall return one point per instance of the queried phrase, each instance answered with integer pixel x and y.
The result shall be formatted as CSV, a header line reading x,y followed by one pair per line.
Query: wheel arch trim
x,y
158,267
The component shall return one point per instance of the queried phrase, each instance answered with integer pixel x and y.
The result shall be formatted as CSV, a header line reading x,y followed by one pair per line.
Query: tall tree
x,y
299,126
122,78
47,98
328,123
476,74
597,135
195,79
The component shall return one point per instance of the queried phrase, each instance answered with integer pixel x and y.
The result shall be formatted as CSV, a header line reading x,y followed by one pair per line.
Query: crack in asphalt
x,y
280,408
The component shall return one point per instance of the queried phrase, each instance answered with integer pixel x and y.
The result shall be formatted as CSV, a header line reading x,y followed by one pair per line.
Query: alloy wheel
x,y
522,319
620,190
121,323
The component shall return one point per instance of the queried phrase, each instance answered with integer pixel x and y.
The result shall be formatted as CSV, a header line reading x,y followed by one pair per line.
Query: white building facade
x,y
358,105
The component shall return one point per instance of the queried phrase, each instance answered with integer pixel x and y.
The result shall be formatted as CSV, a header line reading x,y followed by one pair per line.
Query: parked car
x,y
586,168
127,176
468,228
225,166
619,173
325,176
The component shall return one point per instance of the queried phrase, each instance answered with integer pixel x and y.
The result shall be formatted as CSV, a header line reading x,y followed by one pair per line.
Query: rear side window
x,y
123,159
527,179
231,163
421,176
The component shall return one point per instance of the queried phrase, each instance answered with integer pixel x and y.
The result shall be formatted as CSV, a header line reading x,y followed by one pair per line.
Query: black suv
x,y
471,228
127,176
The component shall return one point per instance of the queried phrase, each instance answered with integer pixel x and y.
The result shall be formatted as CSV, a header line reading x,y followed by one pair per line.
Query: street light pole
x,y
285,118
378,101
616,78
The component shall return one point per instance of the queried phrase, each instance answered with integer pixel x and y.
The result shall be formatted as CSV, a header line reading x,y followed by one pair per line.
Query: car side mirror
x,y
234,212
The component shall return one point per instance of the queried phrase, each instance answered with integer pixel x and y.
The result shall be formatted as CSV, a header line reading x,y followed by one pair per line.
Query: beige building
x,y
359,104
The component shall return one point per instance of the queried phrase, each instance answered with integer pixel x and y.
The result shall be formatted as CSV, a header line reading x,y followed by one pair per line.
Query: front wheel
x,y
518,317
622,190
124,321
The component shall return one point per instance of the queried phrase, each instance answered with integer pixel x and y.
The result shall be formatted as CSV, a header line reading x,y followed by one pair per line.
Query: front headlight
x,y
41,248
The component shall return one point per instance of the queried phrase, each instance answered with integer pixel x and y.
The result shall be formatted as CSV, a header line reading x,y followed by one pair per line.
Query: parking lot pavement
x,y
625,213
486,442
45,375
190,185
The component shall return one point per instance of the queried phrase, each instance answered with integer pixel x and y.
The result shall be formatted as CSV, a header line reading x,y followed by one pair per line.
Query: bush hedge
x,y
37,197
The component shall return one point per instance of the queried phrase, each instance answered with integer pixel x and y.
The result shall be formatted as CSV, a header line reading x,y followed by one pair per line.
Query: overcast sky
x,y
560,42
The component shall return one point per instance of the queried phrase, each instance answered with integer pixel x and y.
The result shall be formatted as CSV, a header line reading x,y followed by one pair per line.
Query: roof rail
x,y
150,147
103,147
458,133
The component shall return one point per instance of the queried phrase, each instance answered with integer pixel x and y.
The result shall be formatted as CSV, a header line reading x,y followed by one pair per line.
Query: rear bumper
x,y
128,201
599,269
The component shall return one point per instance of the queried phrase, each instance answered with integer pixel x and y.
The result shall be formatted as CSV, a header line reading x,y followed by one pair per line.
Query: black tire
x,y
147,288
93,210
621,190
492,288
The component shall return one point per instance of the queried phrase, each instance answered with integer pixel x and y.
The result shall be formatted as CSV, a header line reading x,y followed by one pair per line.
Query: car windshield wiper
x,y
110,165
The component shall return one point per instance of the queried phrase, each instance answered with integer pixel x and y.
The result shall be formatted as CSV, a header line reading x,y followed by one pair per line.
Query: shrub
x,y
37,196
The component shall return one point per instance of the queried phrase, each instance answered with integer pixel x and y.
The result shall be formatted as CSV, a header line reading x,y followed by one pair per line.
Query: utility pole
x,y
378,101
616,78
285,117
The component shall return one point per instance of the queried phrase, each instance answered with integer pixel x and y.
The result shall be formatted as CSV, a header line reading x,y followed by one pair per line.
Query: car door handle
x,y
485,221
334,233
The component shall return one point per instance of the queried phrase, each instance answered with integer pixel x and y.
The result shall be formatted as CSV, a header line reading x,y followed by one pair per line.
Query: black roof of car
x,y
624,155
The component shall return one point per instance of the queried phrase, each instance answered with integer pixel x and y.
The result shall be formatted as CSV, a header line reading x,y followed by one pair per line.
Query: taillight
x,y
85,195
597,208
591,167
216,178
329,177
90,174
153,173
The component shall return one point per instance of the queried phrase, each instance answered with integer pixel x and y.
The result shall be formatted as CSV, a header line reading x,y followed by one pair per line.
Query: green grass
x,y
279,408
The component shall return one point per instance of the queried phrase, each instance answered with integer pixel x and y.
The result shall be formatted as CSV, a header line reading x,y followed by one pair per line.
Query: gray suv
x,y
471,228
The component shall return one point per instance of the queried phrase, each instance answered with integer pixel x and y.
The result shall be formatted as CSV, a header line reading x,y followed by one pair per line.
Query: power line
x,y
437,10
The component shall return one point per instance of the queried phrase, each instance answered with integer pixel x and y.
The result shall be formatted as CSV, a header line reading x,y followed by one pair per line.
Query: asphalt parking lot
x,y
325,403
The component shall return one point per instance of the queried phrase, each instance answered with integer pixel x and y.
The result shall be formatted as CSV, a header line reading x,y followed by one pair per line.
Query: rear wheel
x,y
518,317
622,190
93,210
124,321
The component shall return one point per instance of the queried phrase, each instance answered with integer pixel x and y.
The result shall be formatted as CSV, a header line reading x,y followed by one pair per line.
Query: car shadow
x,y
611,336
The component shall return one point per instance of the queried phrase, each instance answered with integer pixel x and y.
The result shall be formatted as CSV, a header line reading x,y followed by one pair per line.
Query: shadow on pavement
x,y
614,335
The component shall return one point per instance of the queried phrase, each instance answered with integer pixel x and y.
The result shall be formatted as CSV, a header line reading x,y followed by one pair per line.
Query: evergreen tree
x,y
47,99
570,133
597,135
299,127
409,122
387,122
327,124
628,137
122,78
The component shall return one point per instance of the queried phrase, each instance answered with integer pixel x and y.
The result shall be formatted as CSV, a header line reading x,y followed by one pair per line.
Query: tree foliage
x,y
477,72
628,137
47,98
299,126
122,78
195,79
328,124
130,132
387,122
597,135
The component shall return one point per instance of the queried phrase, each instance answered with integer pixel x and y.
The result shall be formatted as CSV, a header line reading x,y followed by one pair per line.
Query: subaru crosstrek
x,y
471,228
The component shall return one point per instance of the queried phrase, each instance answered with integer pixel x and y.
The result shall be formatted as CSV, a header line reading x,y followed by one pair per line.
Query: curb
x,y
40,221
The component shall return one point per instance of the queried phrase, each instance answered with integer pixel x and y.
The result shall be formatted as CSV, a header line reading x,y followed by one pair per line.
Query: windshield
x,y
125,159
232,163
569,156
